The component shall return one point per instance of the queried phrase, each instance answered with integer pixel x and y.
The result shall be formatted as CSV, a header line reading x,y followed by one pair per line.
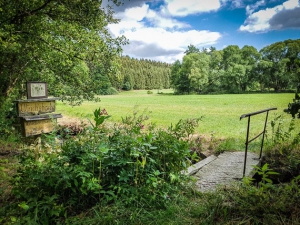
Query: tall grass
x,y
220,113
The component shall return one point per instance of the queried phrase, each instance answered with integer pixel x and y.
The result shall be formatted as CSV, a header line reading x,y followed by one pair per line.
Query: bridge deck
x,y
222,170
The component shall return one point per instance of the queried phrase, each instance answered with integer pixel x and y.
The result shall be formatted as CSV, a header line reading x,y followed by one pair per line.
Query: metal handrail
x,y
262,133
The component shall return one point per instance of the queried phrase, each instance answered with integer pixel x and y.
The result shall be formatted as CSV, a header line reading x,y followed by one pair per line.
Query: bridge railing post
x,y
262,133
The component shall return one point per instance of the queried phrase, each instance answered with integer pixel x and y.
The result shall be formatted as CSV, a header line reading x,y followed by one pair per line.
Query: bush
x,y
8,115
133,161
127,86
282,151
108,91
112,91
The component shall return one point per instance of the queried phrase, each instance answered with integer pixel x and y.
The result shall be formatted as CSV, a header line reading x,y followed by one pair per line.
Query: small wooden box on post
x,y
36,112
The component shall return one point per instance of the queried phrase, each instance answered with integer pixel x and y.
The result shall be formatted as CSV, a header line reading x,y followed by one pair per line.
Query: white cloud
x,y
233,4
158,43
164,22
291,4
259,21
279,17
251,8
136,13
157,36
188,7
238,3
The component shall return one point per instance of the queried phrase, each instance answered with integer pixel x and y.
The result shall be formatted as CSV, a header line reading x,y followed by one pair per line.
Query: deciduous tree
x,y
54,41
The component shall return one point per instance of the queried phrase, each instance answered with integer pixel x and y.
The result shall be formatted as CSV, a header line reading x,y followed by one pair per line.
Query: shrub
x,y
127,86
282,151
128,161
112,91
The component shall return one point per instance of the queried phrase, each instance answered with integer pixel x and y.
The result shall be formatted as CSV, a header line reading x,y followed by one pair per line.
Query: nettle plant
x,y
132,160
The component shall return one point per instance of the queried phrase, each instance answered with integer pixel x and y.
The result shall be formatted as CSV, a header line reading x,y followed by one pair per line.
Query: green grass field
x,y
221,113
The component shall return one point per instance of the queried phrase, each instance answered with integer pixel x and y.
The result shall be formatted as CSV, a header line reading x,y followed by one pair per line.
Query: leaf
x,y
268,180
272,173
265,167
13,219
75,182
24,206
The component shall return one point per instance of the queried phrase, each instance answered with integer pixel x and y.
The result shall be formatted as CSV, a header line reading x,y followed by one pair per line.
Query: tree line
x,y
143,74
236,70
131,74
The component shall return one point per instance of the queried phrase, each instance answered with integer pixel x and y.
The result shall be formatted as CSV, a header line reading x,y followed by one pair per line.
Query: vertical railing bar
x,y
246,149
263,137
247,136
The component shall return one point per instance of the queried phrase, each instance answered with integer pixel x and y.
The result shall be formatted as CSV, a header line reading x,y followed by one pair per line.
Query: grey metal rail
x,y
262,133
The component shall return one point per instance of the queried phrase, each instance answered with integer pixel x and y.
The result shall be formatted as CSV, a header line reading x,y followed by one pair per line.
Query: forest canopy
x,y
236,70
56,41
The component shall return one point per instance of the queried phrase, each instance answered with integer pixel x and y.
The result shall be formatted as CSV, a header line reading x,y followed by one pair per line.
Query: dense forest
x,y
132,74
141,74
236,70
230,70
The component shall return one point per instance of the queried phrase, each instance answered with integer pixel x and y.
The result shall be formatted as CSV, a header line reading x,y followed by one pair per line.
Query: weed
x,y
229,144
282,152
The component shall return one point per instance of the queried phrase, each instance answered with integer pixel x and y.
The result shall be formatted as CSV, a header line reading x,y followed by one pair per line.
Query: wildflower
x,y
103,112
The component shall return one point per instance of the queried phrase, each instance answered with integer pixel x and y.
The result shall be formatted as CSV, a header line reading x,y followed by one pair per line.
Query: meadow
x,y
220,113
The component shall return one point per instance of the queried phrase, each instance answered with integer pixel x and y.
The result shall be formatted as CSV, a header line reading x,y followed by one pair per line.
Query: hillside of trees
x,y
236,70
142,74
230,70
132,74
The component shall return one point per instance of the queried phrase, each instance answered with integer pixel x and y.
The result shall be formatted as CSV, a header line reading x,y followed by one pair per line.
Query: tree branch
x,y
22,15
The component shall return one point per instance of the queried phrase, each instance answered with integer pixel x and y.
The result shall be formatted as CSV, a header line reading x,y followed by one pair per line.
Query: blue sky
x,y
161,30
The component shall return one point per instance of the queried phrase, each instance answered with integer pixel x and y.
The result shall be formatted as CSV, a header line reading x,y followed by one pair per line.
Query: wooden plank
x,y
36,127
38,100
35,107
42,117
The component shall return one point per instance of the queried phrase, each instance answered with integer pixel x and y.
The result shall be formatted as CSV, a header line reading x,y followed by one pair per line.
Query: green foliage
x,y
294,107
142,74
280,133
282,151
184,128
102,165
191,49
111,91
101,83
264,174
235,70
192,74
246,204
7,117
125,175
229,144
127,86
57,42
283,68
